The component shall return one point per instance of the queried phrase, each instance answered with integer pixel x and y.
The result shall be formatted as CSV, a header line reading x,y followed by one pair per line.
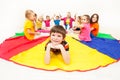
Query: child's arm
x,y
60,15
81,26
30,32
53,17
47,55
92,28
75,16
65,53
95,26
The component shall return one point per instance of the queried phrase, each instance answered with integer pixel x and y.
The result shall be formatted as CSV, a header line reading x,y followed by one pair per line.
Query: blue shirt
x,y
57,22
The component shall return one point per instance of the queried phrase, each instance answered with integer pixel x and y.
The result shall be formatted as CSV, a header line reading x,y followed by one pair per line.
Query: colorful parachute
x,y
100,52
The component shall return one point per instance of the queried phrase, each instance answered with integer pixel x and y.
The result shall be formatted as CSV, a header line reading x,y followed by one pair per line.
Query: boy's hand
x,y
55,46
59,46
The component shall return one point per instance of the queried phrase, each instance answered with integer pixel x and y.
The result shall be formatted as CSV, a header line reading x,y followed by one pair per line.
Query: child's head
x,y
57,17
57,34
94,18
78,18
47,17
40,18
68,14
29,14
85,19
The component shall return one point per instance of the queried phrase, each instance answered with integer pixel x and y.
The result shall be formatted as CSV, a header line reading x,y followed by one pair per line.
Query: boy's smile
x,y
56,38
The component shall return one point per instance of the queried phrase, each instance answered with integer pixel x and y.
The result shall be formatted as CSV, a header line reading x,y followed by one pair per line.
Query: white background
x,y
12,20
12,13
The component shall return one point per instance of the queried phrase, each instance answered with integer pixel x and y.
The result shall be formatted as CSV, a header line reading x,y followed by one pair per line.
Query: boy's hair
x,y
28,13
58,29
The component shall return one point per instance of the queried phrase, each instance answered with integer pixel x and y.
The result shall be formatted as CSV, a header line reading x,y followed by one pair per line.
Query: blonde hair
x,y
28,13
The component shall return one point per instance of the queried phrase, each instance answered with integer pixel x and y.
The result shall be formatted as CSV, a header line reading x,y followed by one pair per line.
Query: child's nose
x,y
55,37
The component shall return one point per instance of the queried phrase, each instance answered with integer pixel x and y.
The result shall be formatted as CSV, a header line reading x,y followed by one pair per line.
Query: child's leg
x,y
41,35
74,35
91,35
47,28
66,27
44,34
77,31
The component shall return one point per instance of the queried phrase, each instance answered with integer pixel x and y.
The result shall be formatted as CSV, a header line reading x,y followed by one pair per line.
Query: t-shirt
x,y
47,23
38,24
67,21
57,22
29,25
96,29
85,33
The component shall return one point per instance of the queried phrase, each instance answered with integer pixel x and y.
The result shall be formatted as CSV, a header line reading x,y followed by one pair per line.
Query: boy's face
x,y
32,17
56,38
57,17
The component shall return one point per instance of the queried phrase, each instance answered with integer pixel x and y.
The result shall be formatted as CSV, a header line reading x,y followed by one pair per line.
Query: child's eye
x,y
53,35
83,19
59,36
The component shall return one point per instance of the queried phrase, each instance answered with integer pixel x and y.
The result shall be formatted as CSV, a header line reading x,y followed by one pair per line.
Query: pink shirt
x,y
47,23
85,33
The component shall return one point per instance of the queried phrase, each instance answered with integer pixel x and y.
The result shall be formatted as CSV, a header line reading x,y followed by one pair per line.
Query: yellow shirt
x,y
29,25
38,24
68,21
